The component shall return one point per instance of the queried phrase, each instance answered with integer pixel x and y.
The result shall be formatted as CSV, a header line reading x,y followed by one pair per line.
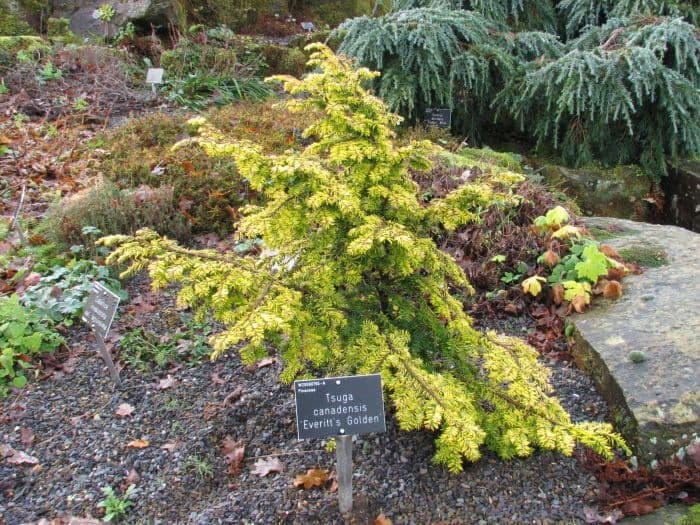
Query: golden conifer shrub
x,y
350,280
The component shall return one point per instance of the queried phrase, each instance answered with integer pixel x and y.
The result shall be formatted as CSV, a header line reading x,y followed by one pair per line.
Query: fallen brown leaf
x,y
233,451
609,251
382,520
169,447
125,409
21,458
138,443
266,362
26,436
558,294
263,467
216,379
612,290
132,478
233,396
313,478
579,303
167,382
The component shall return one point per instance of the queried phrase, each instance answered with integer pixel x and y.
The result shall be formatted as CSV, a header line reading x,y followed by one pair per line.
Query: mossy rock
x,y
14,44
236,14
656,407
616,192
334,12
284,60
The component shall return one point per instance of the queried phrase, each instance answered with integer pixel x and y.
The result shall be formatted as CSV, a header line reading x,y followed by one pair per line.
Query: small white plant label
x,y
155,75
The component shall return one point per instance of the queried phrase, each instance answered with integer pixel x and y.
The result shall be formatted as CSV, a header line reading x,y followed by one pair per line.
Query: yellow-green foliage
x,y
351,282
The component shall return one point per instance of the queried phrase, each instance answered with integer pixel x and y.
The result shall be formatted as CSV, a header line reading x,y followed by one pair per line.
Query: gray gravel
x,y
81,447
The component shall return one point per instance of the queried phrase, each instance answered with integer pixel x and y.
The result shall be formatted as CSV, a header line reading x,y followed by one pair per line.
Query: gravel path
x,y
81,445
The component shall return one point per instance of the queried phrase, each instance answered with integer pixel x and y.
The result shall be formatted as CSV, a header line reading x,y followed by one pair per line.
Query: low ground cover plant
x,y
24,336
577,265
144,349
351,281
60,294
207,192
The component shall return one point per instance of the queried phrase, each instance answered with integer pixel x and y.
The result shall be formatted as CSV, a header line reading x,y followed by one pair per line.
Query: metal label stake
x,y
343,457
98,313
107,358
340,407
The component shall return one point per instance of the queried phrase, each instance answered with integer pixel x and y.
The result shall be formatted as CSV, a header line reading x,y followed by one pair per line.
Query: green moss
x,y
645,256
13,44
692,517
602,234
484,159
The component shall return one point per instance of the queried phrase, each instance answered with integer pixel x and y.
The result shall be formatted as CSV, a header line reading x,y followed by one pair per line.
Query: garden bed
x,y
81,446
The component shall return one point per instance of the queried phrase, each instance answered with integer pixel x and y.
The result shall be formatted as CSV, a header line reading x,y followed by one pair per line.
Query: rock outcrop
x,y
643,350
616,192
84,21
682,191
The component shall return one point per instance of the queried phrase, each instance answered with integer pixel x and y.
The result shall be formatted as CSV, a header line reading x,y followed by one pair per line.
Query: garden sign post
x,y
439,117
98,314
340,407
154,76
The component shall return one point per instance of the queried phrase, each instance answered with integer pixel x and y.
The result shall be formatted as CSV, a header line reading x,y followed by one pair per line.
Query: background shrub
x,y
112,210
206,191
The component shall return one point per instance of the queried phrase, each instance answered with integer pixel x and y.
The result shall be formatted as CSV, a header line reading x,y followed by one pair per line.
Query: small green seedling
x,y
115,507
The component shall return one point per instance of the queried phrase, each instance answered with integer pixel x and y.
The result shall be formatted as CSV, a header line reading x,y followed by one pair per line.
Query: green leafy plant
x,y
199,467
199,91
516,275
351,281
576,263
142,348
80,104
126,32
24,334
692,517
60,295
47,73
116,508
106,12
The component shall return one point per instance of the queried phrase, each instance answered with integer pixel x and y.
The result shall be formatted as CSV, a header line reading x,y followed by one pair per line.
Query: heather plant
x,y
350,280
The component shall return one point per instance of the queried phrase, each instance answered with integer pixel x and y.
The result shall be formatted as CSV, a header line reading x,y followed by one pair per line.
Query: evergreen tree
x,y
621,87
351,282
624,92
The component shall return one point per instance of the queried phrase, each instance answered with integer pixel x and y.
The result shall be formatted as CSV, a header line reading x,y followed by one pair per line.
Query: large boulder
x,y
615,192
643,350
84,21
